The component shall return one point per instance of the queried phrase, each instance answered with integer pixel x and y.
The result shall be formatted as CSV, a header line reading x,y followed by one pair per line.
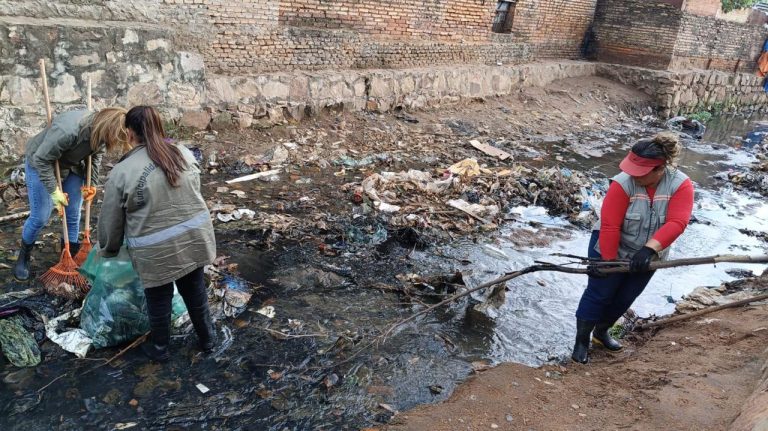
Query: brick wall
x,y
636,32
709,43
252,36
555,28
702,7
660,35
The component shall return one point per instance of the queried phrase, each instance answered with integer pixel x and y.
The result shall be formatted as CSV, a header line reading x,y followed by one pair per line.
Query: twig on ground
x,y
135,343
687,316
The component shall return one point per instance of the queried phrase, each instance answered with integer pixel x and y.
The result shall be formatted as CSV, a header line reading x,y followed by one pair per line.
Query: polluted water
x,y
295,357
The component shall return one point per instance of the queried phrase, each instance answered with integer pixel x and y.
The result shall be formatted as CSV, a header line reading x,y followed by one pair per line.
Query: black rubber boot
x,y
74,247
159,311
581,347
192,289
601,336
21,269
206,332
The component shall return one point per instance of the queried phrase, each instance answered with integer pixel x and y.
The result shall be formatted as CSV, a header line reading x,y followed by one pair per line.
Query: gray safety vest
x,y
642,219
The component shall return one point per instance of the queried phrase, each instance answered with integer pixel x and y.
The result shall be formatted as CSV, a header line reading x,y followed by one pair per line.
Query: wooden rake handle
x,y
49,114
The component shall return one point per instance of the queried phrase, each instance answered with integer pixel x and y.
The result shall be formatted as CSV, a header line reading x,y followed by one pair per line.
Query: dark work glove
x,y
594,271
641,261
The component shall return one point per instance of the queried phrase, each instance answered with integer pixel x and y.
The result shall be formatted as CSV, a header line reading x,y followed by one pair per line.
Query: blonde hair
x,y
669,143
108,128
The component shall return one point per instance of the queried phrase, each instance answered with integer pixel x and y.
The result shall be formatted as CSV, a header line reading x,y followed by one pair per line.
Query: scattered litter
x,y
75,341
238,214
387,208
202,388
490,150
268,311
466,168
239,193
222,189
477,211
18,345
388,408
124,426
254,176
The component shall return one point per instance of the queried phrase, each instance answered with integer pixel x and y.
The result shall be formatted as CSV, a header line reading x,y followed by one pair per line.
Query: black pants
x,y
159,300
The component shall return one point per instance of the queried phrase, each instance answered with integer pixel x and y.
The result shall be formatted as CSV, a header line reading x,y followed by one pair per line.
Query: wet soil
x,y
333,273
690,375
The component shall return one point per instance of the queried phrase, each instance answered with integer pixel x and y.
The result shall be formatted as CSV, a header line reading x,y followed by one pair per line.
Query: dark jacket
x,y
68,140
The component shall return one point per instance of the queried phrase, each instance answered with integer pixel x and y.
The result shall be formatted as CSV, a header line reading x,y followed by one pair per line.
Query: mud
x,y
333,271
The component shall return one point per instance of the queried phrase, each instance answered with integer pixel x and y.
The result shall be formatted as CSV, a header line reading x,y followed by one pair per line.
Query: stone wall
x,y
126,65
690,91
660,35
636,32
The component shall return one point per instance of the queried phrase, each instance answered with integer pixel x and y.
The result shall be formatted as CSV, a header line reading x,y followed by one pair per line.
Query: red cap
x,y
637,166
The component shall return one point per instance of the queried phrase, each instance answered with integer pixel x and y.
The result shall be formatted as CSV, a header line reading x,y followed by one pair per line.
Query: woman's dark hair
x,y
145,123
664,145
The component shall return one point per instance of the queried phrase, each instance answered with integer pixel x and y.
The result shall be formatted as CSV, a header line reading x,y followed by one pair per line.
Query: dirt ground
x,y
689,376
694,375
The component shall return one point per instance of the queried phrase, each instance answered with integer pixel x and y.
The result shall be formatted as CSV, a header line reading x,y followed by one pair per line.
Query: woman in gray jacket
x,y
152,201
72,137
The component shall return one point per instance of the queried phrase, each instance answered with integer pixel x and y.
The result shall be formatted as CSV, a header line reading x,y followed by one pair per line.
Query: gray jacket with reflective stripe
x,y
167,230
642,219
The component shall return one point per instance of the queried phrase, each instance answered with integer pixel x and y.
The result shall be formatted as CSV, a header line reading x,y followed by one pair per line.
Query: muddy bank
x,y
696,374
331,269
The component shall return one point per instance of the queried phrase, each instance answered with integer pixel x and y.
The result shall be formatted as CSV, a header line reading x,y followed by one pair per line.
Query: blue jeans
x,y
607,299
41,205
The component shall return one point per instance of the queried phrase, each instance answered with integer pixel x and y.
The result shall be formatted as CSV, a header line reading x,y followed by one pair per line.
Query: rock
x,y
275,91
65,90
222,120
244,120
183,95
145,94
130,37
191,63
154,44
510,418
199,120
220,91
84,60
23,92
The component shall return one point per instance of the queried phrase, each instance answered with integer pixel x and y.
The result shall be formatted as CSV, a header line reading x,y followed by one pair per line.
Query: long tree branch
x,y
619,267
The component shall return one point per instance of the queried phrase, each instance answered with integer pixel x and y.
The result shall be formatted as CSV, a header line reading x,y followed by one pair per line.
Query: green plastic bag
x,y
115,310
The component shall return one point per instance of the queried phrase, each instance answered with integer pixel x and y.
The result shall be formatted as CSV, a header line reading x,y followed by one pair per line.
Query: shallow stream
x,y
330,307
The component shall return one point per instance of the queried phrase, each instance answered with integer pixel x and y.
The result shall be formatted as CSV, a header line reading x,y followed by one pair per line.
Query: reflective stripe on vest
x,y
166,234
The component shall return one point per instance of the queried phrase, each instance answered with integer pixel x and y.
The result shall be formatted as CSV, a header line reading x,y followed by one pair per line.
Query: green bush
x,y
702,116
731,5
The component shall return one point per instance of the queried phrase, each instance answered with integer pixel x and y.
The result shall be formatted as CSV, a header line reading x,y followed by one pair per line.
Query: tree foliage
x,y
731,5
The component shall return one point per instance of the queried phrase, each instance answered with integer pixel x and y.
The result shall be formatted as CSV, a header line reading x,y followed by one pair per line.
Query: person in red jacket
x,y
647,207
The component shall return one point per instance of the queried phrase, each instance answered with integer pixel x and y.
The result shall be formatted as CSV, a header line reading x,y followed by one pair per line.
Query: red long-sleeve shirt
x,y
615,207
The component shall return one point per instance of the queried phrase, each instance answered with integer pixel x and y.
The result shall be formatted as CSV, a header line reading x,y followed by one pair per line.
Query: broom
x,y
62,279
85,244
